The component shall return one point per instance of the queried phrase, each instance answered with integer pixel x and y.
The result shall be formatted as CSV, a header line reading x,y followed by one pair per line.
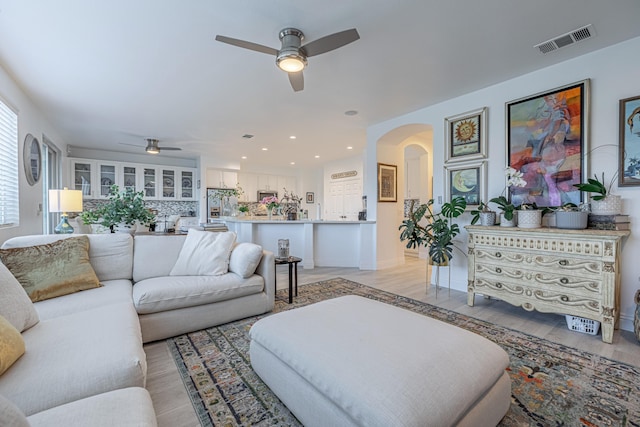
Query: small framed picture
x,y
629,169
310,197
466,136
467,181
387,183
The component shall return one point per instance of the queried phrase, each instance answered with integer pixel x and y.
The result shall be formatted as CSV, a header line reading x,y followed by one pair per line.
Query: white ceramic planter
x,y
487,218
571,220
529,219
508,222
611,205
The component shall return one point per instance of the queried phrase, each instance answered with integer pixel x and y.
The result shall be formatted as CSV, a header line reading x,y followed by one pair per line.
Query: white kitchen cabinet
x,y
150,182
187,184
249,184
83,176
269,182
288,182
220,178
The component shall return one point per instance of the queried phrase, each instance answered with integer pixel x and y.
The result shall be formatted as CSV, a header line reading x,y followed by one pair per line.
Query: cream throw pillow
x,y
11,345
54,269
244,259
204,253
15,305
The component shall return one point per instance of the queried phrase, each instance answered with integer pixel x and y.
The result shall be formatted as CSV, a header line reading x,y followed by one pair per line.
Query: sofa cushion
x,y
11,415
77,356
111,292
244,259
148,261
11,345
204,253
53,269
15,304
125,407
172,292
109,254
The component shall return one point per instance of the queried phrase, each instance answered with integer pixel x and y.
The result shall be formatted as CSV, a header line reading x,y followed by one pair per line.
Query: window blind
x,y
9,197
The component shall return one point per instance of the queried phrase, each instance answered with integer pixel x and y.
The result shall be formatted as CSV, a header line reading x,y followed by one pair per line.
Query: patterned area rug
x,y
552,385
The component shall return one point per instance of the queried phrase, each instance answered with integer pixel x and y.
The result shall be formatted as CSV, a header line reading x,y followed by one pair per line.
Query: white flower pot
x,y
508,222
610,205
571,220
487,218
529,219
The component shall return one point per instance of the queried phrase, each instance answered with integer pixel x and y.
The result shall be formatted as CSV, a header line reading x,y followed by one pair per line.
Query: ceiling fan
x,y
153,147
292,57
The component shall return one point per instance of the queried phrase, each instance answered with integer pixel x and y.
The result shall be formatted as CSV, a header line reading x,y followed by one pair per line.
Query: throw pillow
x,y
204,253
244,259
54,269
15,304
11,415
11,345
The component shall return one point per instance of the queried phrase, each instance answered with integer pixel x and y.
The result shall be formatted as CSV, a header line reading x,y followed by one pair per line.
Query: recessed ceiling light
x,y
265,149
350,113
244,157
316,156
349,148
293,163
292,137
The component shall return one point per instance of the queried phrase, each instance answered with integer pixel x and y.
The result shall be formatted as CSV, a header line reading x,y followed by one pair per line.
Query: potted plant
x,y
529,216
437,232
122,211
243,209
602,201
483,214
508,216
570,216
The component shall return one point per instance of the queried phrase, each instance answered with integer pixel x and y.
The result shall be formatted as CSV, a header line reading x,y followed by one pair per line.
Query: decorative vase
x,y
529,218
487,218
571,220
610,205
125,228
508,222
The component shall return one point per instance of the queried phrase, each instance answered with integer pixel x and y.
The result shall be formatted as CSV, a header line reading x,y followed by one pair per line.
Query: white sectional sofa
x,y
85,355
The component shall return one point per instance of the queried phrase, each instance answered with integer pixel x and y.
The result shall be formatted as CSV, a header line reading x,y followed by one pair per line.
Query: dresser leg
x,y
607,332
471,296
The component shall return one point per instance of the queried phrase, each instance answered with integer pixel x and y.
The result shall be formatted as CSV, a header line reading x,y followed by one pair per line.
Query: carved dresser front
x,y
575,272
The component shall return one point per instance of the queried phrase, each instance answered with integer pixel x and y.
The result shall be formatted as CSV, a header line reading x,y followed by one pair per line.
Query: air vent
x,y
567,39
247,136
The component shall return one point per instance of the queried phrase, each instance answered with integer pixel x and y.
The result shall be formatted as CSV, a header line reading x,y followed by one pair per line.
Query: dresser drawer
x,y
562,265
533,297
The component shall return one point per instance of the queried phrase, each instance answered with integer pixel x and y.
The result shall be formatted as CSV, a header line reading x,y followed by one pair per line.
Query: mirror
x,y
32,159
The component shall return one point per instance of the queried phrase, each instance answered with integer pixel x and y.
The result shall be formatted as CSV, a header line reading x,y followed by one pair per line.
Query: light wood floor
x,y
173,407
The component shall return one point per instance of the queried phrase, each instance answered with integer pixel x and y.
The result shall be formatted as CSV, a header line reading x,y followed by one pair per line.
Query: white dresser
x,y
575,272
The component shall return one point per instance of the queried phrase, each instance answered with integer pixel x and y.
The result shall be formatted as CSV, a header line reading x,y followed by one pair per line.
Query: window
x,y
9,209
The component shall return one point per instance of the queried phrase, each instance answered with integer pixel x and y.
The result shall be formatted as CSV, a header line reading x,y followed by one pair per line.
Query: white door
x,y
345,200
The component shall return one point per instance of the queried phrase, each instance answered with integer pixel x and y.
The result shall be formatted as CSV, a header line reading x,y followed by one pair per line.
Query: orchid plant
x,y
514,179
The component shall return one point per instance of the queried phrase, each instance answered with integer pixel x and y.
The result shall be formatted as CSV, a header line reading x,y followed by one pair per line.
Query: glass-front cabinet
x,y
82,177
186,182
95,178
150,183
107,178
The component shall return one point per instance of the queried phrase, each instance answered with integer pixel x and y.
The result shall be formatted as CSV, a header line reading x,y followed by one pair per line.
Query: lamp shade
x,y
65,200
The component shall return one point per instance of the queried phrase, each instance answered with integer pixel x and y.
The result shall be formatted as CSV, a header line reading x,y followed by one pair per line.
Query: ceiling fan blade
x,y
133,145
247,45
330,42
169,148
297,81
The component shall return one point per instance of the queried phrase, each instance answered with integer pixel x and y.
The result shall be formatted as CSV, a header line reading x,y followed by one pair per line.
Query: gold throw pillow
x,y
52,270
11,345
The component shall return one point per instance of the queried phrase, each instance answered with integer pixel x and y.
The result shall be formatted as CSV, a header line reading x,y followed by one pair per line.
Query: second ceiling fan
x,y
292,56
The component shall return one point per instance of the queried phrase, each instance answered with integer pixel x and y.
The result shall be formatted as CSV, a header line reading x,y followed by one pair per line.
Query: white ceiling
x,y
113,72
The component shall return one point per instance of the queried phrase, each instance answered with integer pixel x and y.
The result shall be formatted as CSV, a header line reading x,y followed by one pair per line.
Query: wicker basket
x,y
579,324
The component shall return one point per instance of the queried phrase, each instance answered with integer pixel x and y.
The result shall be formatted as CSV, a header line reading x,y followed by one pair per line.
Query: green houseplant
x,y
122,209
437,232
602,201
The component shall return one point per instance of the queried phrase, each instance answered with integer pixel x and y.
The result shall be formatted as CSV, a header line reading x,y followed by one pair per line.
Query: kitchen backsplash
x,y
164,208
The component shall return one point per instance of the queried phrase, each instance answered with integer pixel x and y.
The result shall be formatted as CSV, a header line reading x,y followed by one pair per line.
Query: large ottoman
x,y
352,361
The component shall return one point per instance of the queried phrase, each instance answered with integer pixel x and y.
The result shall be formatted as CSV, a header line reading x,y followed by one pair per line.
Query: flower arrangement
x,y
514,179
271,202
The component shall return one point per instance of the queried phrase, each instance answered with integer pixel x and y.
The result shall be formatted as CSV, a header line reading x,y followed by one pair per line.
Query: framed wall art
x,y
468,181
629,162
466,136
387,183
310,197
547,138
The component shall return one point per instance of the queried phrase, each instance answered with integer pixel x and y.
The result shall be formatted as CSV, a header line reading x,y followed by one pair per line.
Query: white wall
x,y
30,120
614,75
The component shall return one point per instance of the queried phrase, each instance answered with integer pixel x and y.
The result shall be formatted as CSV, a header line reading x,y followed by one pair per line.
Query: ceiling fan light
x,y
291,63
152,150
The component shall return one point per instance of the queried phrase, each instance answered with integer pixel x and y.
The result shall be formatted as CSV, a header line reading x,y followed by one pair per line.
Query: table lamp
x,y
64,201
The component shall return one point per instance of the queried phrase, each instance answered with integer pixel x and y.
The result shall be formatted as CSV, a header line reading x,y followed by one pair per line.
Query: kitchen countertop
x,y
265,219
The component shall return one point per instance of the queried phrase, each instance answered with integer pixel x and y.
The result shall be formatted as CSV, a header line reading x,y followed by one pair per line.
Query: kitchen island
x,y
319,243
